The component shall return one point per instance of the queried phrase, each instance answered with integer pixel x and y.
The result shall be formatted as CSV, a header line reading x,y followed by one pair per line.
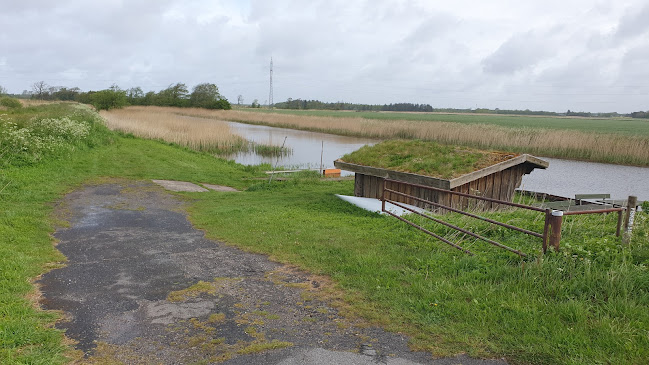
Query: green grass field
x,y
587,304
625,126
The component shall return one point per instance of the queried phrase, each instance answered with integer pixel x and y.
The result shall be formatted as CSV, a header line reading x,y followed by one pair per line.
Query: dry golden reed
x,y
161,123
544,142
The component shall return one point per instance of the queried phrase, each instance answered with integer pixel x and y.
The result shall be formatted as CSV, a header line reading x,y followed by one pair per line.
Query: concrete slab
x,y
374,205
180,186
219,188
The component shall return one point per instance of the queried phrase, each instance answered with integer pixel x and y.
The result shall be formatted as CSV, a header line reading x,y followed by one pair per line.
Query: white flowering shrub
x,y
40,138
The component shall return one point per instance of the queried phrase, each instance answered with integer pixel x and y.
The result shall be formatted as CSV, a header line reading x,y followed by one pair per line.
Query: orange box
x,y
331,172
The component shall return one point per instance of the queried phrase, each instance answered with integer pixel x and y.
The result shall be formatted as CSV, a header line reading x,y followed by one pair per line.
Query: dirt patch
x,y
141,285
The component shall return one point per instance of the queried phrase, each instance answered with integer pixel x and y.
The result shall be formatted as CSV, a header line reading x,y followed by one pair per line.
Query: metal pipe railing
x,y
523,230
460,229
551,229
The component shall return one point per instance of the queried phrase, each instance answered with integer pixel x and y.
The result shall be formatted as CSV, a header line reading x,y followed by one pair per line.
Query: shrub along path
x,y
141,285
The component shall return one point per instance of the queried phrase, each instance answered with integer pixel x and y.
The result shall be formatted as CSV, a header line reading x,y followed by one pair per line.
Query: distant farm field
x,y
621,125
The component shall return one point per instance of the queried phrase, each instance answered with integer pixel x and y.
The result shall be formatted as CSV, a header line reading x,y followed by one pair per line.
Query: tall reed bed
x,y
159,123
589,146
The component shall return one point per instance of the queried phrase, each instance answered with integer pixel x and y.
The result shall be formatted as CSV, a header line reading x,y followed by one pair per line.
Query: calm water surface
x,y
567,178
306,146
563,177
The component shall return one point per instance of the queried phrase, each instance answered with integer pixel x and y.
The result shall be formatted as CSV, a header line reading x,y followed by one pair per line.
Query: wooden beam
x,y
394,175
522,159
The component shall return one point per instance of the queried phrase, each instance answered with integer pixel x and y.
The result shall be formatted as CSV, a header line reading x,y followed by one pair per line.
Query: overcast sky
x,y
540,55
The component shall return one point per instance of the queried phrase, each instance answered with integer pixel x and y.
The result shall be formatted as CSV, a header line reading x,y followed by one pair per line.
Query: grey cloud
x,y
634,23
432,28
519,52
634,69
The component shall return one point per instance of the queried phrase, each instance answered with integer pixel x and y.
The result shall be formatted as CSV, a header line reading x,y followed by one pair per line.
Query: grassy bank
x,y
593,140
587,304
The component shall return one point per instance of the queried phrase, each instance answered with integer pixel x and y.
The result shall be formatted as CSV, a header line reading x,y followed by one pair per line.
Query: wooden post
x,y
556,218
632,202
546,229
619,224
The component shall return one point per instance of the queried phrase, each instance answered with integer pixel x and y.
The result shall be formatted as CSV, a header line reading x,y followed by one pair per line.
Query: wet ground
x,y
141,285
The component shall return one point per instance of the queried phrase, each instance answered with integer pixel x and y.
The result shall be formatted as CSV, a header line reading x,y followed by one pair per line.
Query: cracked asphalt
x,y
142,286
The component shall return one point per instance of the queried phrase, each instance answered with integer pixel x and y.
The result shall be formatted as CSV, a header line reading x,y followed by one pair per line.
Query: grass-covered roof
x,y
425,158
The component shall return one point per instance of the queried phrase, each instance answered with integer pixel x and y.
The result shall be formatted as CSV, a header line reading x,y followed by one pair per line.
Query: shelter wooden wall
x,y
499,185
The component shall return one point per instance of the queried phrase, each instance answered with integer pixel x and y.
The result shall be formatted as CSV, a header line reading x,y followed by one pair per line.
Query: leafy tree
x,y
174,95
640,114
205,95
135,96
150,98
3,90
255,104
66,94
108,99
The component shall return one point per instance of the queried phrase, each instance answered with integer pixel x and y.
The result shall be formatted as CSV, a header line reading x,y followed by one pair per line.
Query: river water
x,y
567,178
307,147
563,177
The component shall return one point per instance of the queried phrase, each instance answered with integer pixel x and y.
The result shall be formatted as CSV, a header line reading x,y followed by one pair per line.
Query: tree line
x,y
316,104
410,107
204,95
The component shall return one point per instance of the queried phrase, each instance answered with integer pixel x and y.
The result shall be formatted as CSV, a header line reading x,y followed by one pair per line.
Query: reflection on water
x,y
567,178
563,177
306,146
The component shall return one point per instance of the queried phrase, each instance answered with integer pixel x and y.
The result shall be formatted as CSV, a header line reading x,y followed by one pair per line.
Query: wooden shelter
x,y
497,181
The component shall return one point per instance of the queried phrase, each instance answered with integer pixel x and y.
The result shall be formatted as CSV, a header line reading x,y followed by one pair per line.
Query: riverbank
x,y
586,304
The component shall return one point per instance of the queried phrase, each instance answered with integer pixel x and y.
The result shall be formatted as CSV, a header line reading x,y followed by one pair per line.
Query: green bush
x,y
10,103
645,206
108,99
218,104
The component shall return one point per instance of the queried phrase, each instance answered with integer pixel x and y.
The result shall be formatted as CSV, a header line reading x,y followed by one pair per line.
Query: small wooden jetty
x,y
497,181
